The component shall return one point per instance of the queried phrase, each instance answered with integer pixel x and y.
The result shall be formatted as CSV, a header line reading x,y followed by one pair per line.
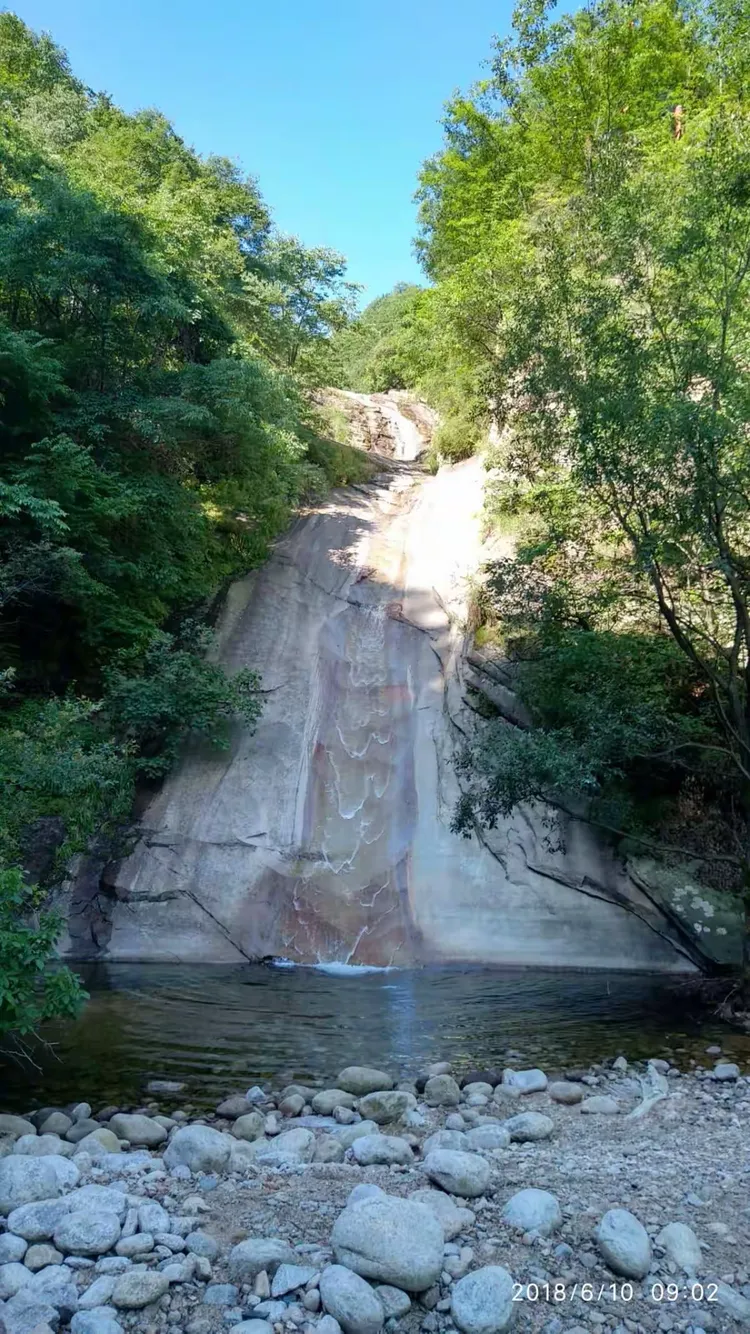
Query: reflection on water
x,y
223,1028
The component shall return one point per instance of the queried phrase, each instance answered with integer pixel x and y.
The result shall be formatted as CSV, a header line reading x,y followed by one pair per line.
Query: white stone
x,y
528,1127
13,1277
446,1139
387,1105
533,1210
482,1302
623,1242
346,1135
91,1233
98,1320
600,1105
24,1180
464,1174
390,1240
288,1278
528,1081
137,1129
442,1091
681,1245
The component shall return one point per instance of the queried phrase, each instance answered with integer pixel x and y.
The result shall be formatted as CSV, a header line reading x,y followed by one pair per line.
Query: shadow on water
x,y
222,1028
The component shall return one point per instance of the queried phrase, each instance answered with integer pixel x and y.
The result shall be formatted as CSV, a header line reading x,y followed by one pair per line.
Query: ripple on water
x,y
220,1028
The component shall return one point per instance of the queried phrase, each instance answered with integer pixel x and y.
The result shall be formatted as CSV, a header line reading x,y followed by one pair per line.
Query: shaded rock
x,y
351,1301
23,1317
565,1092
451,1217
138,1129
682,1246
90,1233
40,1255
57,1123
392,1240
528,1127
330,1150
394,1302
137,1288
249,1257
15,1126
533,1210
248,1126
482,1302
152,1217
733,1302
252,1327
442,1091
386,1149
362,1079
200,1148
387,1105
624,1244
233,1107
293,1105
54,1286
323,1103
464,1174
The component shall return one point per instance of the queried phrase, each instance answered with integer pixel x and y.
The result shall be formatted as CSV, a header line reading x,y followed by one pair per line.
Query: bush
x,y
30,991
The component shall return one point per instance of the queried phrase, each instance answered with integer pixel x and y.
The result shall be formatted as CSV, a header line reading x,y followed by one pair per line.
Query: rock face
x,y
391,1241
325,835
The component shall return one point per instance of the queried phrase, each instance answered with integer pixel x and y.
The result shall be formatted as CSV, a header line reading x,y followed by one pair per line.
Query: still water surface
x,y
223,1028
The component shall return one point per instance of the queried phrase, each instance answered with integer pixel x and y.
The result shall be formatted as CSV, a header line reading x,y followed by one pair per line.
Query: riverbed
x,y
218,1028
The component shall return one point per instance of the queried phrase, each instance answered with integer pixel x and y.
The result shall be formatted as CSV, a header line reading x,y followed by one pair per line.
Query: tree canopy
x,y
587,228
158,336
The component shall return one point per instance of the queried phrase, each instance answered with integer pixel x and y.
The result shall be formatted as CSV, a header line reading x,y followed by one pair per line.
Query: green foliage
x,y
29,990
158,338
156,698
587,226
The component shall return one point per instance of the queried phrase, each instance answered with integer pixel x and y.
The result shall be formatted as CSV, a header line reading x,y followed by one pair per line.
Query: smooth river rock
x,y
200,1148
91,1233
464,1174
533,1210
351,1301
682,1246
23,1180
528,1127
390,1240
369,1150
362,1079
250,1257
482,1302
624,1243
387,1105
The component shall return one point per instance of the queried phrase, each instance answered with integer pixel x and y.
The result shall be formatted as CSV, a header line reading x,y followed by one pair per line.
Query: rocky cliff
x,y
325,834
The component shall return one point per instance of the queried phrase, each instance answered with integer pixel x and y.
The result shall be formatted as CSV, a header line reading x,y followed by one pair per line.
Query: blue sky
x,y
332,104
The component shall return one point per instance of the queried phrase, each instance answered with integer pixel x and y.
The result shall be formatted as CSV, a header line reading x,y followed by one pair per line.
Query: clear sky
x,y
332,104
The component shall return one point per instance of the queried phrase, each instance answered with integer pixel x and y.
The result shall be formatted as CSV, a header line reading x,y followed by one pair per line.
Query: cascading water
x,y
325,835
